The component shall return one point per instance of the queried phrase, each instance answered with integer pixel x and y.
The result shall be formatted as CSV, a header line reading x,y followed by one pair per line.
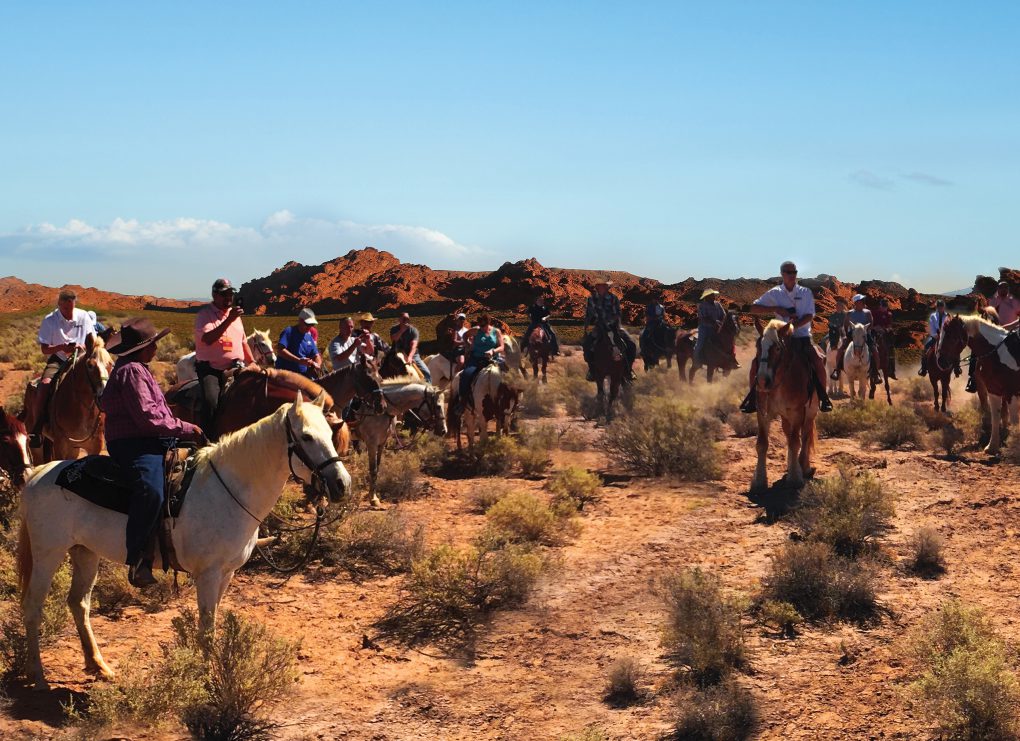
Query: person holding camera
x,y
220,346
344,348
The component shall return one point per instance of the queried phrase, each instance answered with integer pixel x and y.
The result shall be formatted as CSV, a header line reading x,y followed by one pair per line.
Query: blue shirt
x,y
302,345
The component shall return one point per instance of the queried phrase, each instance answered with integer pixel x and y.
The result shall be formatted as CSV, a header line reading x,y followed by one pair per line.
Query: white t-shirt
x,y
55,330
800,298
934,325
339,345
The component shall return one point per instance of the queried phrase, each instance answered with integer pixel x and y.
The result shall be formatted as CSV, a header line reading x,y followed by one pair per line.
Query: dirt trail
x,y
539,672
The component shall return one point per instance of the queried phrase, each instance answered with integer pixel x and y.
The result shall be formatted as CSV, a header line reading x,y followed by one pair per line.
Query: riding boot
x,y
824,403
892,363
750,403
839,364
971,381
140,575
42,396
923,371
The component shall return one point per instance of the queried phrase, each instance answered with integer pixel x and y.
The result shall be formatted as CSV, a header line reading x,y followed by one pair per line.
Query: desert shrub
x,y
8,501
725,712
112,592
666,437
846,420
368,542
575,393
894,427
539,400
623,682
847,511
521,517
497,455
721,399
572,488
533,446
572,438
15,403
430,449
487,494
702,632
744,425
966,683
1010,450
449,590
170,349
917,388
593,732
926,557
399,478
782,616
821,585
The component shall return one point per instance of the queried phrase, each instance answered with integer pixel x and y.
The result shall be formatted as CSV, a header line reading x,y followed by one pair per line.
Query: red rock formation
x,y
17,295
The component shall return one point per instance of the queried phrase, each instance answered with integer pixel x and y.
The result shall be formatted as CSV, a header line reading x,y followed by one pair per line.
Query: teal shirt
x,y
484,341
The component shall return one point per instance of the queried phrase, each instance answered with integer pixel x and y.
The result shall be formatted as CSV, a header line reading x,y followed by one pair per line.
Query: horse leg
x,y
545,367
85,566
807,447
374,461
760,482
888,395
709,373
210,585
614,391
43,567
994,440
794,474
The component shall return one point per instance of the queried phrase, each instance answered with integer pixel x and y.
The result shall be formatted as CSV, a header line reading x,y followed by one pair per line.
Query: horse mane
x,y
974,322
774,328
14,424
296,382
248,439
400,381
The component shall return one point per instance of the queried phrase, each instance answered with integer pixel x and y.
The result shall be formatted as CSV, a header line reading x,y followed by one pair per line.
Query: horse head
x,y
859,337
310,441
435,399
952,339
367,386
262,348
15,458
97,363
775,339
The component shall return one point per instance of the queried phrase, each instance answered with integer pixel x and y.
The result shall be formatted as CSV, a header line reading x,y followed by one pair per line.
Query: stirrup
x,y
922,371
834,375
140,575
750,404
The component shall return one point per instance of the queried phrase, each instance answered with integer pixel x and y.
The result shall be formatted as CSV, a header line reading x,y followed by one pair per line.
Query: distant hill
x,y
17,295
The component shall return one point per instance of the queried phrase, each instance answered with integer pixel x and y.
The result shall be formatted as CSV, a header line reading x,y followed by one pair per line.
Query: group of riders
x,y
140,426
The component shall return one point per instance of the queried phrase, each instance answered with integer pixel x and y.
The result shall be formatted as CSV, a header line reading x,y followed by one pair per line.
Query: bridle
x,y
262,346
374,395
97,392
430,401
294,449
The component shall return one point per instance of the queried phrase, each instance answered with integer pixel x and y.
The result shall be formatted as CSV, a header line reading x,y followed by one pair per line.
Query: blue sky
x,y
147,147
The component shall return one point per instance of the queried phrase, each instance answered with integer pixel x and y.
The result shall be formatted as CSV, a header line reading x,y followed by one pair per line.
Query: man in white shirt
x,y
343,349
793,303
935,322
63,330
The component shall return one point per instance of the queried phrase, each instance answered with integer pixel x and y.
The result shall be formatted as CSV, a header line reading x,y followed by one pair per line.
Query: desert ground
x,y
538,671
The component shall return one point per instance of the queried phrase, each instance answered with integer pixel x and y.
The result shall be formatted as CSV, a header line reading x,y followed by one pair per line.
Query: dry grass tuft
x,y
725,712
744,425
782,616
521,517
399,478
366,543
894,427
572,488
966,684
847,511
702,634
926,552
624,682
113,593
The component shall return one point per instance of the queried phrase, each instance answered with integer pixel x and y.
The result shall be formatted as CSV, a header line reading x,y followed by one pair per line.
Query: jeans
x,y
211,382
142,461
422,367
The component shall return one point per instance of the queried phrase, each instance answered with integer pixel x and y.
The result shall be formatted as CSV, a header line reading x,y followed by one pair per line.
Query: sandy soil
x,y
539,672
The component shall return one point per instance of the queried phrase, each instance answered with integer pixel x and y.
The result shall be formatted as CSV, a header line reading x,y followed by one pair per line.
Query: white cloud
x,y
178,248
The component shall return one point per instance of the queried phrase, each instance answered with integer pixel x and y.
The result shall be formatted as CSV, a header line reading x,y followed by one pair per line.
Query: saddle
x,y
1012,343
101,480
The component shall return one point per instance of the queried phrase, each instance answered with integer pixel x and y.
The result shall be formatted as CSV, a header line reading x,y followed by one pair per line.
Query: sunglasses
x,y
789,272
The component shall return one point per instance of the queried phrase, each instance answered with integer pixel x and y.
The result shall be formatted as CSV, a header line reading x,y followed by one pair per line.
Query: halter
x,y
294,448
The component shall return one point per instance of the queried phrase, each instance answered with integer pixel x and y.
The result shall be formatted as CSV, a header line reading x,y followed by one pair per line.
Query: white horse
x,y
261,349
441,370
512,355
236,485
486,384
857,361
402,396
831,358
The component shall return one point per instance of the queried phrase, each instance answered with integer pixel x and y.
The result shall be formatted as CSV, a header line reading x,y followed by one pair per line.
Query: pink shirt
x,y
1008,308
228,348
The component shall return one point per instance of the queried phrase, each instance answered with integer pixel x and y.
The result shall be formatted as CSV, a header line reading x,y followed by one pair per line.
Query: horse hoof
x,y
809,473
102,671
40,685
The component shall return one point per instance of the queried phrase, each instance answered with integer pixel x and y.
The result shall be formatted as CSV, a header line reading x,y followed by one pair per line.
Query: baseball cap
x,y
307,316
222,285
858,297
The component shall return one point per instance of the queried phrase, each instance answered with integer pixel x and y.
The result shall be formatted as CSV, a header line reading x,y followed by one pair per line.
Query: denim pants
x,y
422,367
142,461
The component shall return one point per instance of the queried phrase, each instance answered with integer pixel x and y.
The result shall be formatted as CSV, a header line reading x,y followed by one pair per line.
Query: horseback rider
x,y
837,324
62,331
452,341
140,428
603,311
793,303
711,315
538,315
486,347
860,314
220,346
297,349
404,337
374,343
344,348
935,322
1007,307
883,321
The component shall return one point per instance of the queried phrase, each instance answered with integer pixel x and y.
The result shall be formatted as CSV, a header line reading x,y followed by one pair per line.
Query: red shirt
x,y
882,318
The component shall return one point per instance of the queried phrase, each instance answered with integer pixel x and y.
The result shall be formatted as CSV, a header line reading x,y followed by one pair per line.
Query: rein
x,y
95,403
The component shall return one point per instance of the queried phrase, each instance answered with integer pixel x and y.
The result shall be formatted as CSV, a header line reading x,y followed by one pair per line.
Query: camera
x,y
239,302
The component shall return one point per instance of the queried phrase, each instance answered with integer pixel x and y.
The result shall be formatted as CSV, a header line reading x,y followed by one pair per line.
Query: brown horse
x,y
608,362
996,371
657,341
15,458
785,390
73,420
939,374
539,349
684,343
883,361
720,352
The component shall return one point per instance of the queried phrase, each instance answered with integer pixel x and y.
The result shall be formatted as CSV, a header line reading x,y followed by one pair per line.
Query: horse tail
x,y
24,559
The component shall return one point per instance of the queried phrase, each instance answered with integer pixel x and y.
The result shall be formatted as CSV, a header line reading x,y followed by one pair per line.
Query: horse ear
x,y
297,401
90,342
759,326
320,400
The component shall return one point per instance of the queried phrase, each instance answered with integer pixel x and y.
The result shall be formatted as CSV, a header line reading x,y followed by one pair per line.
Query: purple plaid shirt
x,y
135,406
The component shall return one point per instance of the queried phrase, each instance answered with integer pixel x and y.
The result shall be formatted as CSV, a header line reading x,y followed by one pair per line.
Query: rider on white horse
x,y
860,314
485,348
139,430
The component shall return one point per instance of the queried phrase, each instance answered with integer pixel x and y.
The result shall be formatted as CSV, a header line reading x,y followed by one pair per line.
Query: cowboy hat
x,y
366,317
135,334
708,292
603,282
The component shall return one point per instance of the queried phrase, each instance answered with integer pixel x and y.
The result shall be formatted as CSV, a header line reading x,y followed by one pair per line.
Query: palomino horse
x,y
403,396
831,350
261,350
857,361
720,352
73,419
608,363
539,349
883,360
996,369
785,390
657,341
15,458
236,485
486,387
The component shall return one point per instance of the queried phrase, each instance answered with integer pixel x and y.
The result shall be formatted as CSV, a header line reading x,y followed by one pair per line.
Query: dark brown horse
x,y
720,351
995,371
657,341
939,374
73,419
608,363
539,349
15,458
883,361
684,343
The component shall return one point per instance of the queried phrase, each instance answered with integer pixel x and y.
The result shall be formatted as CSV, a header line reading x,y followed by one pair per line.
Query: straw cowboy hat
x,y
708,292
366,317
135,334
603,282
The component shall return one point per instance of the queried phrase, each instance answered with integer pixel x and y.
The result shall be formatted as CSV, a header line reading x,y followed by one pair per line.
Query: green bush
x,y
782,616
572,488
487,494
725,712
821,585
539,400
744,425
847,511
894,427
399,478
592,732
702,634
966,685
521,517
666,437
368,542
846,420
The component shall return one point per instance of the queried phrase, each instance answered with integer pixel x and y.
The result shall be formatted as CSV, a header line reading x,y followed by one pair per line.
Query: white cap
x,y
307,316
859,297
